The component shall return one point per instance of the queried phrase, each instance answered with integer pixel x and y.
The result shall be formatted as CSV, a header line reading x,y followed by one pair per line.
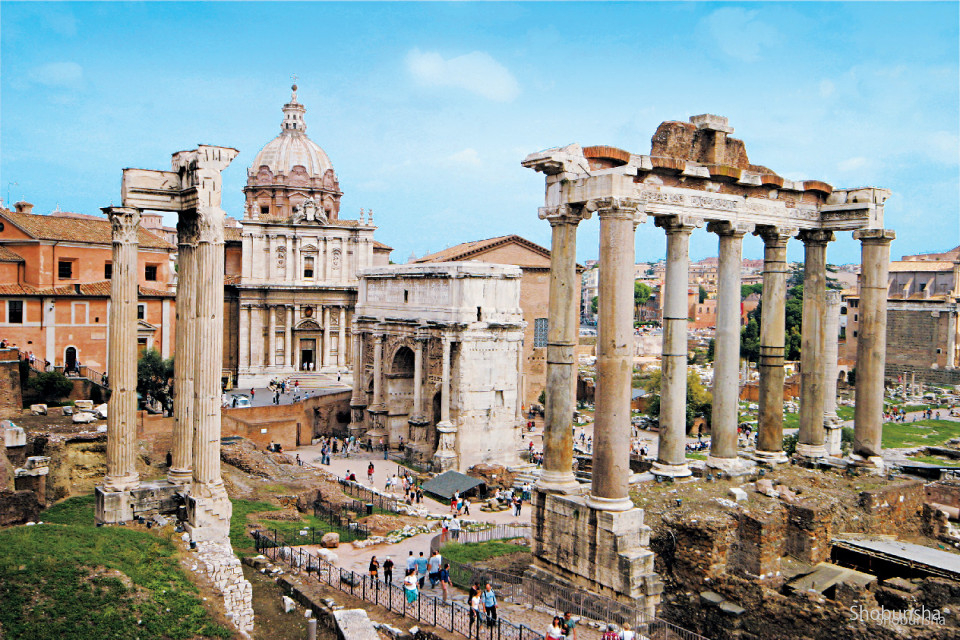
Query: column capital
x,y
379,336
875,236
727,228
774,236
678,224
619,208
566,213
124,222
815,236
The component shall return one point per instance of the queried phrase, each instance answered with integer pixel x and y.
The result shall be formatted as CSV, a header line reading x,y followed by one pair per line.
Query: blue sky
x,y
426,110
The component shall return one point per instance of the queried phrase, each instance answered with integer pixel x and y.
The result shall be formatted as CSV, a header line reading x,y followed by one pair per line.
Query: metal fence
x,y
530,591
339,518
364,494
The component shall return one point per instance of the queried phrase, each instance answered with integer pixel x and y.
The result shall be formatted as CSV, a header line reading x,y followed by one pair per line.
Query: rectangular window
x,y
278,356
15,312
264,210
308,267
141,346
108,271
141,312
540,333
65,269
150,272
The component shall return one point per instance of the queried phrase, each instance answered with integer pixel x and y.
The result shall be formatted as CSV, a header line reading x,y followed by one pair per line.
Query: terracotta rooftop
x,y
99,289
95,231
379,245
468,250
6,255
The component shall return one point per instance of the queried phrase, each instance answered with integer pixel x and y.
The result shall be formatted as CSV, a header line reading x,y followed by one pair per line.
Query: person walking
x,y
433,568
627,633
374,568
410,586
370,473
517,503
445,582
610,633
455,528
411,562
569,626
421,563
490,605
555,630
388,570
475,610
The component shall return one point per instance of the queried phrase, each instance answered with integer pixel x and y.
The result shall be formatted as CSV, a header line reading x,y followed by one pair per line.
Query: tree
x,y
747,289
699,399
793,319
641,293
703,294
51,386
155,377
711,348
593,304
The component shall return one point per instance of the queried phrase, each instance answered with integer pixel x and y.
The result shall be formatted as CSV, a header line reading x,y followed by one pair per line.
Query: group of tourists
x,y
459,504
331,445
405,484
483,607
419,570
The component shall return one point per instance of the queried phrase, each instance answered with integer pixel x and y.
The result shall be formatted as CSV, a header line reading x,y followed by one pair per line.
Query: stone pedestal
x,y
446,457
604,551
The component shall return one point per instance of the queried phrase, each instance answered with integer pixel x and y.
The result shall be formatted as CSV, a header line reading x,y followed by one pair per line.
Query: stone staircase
x,y
317,380
527,473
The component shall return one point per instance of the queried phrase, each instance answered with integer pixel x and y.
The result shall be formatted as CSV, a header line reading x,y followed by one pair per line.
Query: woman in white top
x,y
554,632
626,633
410,586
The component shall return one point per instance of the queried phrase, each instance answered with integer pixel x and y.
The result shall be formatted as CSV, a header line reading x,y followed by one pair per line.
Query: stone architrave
x,y
611,433
772,344
832,423
185,362
671,456
562,336
811,438
871,345
726,372
113,503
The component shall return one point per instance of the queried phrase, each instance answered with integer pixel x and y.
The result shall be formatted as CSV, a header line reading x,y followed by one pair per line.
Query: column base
x,y
730,466
608,504
871,463
182,477
833,440
121,483
208,513
113,507
770,457
559,482
446,457
813,451
144,499
671,470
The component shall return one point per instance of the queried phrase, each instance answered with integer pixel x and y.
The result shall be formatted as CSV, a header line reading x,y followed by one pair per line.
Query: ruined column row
x,y
618,217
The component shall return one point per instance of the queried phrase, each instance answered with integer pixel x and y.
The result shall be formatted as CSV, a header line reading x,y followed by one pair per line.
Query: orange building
x,y
55,275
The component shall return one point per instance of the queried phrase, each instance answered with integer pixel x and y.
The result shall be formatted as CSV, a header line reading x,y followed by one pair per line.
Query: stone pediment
x,y
145,327
308,325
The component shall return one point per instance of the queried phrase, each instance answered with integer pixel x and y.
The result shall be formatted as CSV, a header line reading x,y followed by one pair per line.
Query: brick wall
x,y
891,508
809,529
759,545
315,416
10,399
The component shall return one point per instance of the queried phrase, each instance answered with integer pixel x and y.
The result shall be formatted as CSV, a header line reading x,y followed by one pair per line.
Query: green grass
x,y
922,432
472,552
791,420
242,509
696,456
845,413
247,512
937,461
53,586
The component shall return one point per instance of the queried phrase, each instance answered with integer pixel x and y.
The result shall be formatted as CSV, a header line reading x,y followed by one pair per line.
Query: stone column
x,y
271,336
358,399
256,339
288,337
377,369
271,257
562,336
418,379
726,367
832,423
342,342
671,456
209,509
185,362
610,487
446,456
244,339
295,260
772,344
811,442
122,364
871,345
326,337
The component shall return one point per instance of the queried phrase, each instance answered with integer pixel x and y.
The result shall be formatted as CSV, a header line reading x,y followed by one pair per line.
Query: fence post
x,y
363,589
434,610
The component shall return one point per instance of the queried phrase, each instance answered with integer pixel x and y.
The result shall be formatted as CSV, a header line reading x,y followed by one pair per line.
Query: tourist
x,y
627,633
454,504
299,463
421,569
410,586
419,495
411,562
388,570
490,605
569,626
517,503
475,611
465,506
554,631
610,633
433,568
374,568
445,581
454,528
370,473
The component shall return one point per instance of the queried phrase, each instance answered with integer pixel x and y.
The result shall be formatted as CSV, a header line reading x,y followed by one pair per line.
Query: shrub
x,y
51,386
790,444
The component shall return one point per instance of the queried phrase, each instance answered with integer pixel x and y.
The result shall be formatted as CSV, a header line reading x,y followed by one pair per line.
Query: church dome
x,y
292,147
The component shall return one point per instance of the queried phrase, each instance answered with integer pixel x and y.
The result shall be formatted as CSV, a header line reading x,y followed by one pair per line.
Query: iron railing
x,y
365,495
339,518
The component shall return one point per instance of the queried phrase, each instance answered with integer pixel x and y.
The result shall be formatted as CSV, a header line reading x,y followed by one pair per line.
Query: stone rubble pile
x,y
218,561
396,536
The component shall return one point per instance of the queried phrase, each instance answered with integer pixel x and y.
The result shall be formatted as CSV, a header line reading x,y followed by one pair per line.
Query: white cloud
x,y
476,72
739,33
65,75
852,164
465,157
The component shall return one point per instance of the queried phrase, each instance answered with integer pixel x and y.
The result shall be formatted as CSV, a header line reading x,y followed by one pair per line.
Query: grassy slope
x,y
59,581
479,551
919,433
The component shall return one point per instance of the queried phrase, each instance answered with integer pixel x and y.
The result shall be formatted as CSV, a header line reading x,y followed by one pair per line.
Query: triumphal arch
x,y
696,175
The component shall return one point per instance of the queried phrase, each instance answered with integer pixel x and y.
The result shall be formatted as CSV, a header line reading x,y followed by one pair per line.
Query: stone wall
x,y
944,492
759,545
809,529
930,376
10,398
891,508
314,417
18,507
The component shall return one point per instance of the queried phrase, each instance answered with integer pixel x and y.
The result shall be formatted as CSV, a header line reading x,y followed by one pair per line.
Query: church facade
x,y
299,261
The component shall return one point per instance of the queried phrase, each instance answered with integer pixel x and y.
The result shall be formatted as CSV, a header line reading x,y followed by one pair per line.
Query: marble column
x,y
244,338
446,456
271,257
185,362
562,335
295,260
417,413
209,509
610,486
342,341
288,337
772,344
327,337
122,363
358,399
726,365
871,345
671,456
377,369
271,335
811,442
256,339
832,423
